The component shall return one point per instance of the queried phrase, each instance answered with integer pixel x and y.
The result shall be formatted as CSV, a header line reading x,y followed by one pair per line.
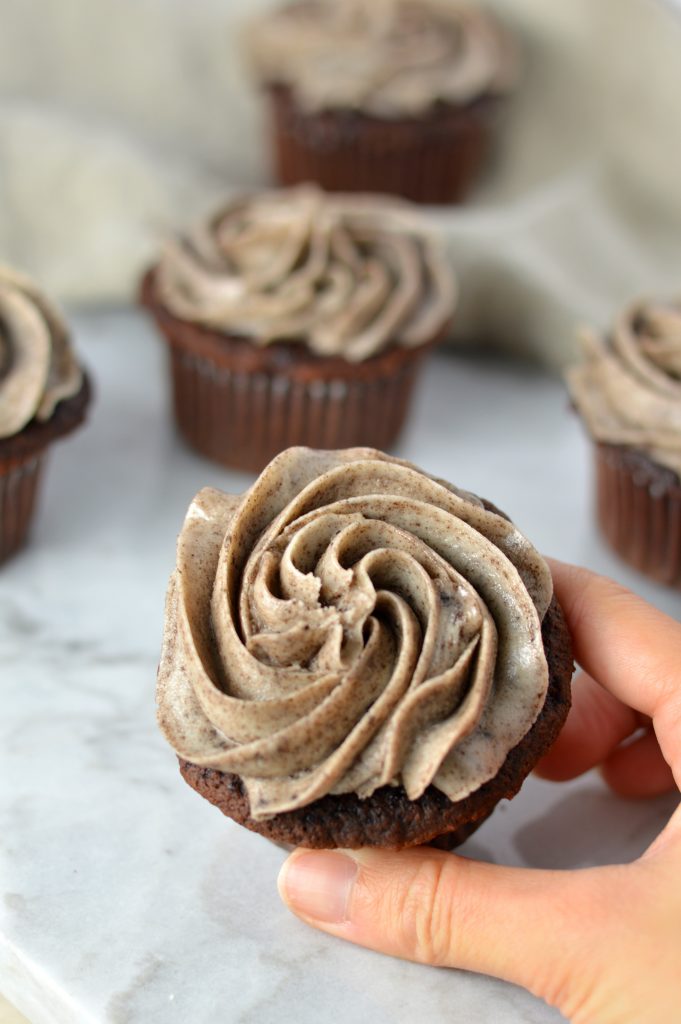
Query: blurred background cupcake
x,y
628,392
298,318
43,396
393,96
576,211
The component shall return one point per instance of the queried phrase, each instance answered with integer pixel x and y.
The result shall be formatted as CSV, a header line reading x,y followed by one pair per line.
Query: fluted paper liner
x,y
19,479
431,159
240,405
639,511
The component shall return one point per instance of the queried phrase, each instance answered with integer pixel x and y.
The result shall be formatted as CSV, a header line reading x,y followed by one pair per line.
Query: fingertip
x,y
638,770
635,789
282,882
553,768
317,884
557,565
569,580
596,725
628,645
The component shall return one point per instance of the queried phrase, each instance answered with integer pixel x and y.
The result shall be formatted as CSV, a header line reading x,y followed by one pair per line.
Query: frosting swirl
x,y
628,388
346,275
37,366
350,623
386,57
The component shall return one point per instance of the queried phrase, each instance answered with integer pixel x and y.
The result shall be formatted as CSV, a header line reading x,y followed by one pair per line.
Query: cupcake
x,y
43,395
298,318
388,96
358,654
627,390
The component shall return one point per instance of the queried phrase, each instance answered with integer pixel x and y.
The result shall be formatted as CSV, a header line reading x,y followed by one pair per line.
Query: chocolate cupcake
x,y
43,395
627,390
298,318
388,96
356,653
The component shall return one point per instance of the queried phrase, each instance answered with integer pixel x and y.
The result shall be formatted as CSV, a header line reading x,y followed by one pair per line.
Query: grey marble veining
x,y
126,899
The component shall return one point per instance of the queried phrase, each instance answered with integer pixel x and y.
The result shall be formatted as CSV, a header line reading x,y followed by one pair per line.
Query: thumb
x,y
533,928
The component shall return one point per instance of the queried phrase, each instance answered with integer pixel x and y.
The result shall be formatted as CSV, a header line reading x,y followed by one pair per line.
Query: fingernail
x,y
317,884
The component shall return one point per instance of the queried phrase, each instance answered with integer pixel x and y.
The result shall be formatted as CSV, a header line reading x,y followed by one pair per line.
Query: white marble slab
x,y
126,899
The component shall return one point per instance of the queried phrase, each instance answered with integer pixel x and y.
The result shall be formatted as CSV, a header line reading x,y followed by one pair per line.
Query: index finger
x,y
629,647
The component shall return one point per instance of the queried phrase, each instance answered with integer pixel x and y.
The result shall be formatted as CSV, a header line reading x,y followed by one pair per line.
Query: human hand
x,y
601,944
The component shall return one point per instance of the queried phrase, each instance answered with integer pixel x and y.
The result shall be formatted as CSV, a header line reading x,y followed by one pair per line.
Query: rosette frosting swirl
x,y
37,366
386,57
345,275
628,386
351,623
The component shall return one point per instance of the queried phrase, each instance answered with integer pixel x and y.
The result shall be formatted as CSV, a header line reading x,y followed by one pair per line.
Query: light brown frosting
x,y
628,387
345,275
37,365
348,623
390,58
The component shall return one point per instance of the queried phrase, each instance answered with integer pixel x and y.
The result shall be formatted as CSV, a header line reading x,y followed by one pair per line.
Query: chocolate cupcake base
x,y
639,511
240,404
389,818
429,159
22,458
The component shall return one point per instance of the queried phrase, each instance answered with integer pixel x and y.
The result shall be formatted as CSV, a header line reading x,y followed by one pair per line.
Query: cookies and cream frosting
x,y
345,275
390,58
628,386
37,365
349,623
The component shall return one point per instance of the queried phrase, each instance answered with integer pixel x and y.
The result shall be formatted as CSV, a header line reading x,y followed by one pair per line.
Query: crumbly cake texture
x,y
353,637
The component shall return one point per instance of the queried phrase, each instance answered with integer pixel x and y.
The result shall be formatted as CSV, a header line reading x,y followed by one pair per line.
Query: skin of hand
x,y
603,945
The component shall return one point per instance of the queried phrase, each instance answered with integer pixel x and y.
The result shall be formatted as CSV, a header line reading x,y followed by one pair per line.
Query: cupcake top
x,y
351,622
345,275
391,58
37,366
628,387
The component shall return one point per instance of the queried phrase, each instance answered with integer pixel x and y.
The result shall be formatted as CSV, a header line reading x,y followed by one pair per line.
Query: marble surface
x,y
124,898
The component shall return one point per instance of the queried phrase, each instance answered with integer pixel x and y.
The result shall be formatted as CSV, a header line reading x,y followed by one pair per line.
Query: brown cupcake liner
x,y
243,420
19,479
22,458
431,159
638,505
240,404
